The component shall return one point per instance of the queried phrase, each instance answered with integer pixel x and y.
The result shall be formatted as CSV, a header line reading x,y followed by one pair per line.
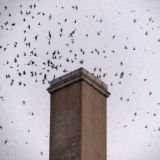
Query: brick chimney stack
x,y
78,117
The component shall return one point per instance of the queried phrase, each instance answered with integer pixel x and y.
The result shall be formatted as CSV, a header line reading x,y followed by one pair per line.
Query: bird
x,y
135,114
5,7
13,24
50,17
134,21
5,142
81,61
2,98
36,37
121,63
146,126
23,102
125,47
154,114
150,93
12,81
121,74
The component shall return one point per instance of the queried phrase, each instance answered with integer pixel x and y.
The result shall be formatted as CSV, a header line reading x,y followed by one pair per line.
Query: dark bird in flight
x,y
135,114
41,153
5,142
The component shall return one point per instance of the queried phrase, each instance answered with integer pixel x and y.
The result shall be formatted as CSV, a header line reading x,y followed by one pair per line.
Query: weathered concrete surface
x,y
93,131
78,117
65,123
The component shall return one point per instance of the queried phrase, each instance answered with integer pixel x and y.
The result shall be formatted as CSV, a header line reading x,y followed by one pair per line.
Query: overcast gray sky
x,y
121,39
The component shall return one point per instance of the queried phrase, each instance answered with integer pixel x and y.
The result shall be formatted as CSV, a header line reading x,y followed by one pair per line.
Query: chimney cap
x,y
77,75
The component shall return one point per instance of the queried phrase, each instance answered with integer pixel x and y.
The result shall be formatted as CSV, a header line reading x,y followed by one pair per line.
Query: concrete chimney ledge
x,y
77,75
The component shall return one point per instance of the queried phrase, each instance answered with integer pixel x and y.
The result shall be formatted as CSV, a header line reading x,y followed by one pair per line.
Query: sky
x,y
118,41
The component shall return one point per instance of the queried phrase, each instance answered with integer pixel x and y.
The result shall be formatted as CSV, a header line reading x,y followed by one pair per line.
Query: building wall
x,y
65,123
93,123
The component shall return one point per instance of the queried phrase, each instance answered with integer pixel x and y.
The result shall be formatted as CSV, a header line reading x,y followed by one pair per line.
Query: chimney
x,y
78,117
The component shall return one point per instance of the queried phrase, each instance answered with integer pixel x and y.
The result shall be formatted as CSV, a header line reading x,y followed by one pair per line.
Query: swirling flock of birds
x,y
48,65
40,67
